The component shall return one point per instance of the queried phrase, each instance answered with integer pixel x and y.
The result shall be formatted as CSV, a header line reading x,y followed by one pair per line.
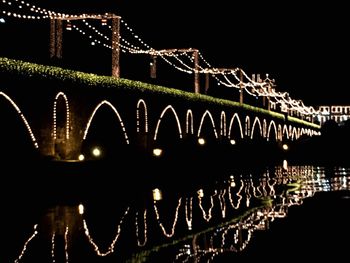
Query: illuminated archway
x,y
107,103
142,103
207,113
223,123
67,124
272,125
189,122
247,126
171,109
24,120
235,116
256,121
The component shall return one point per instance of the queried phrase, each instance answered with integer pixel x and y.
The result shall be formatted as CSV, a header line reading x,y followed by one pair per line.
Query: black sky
x,y
303,46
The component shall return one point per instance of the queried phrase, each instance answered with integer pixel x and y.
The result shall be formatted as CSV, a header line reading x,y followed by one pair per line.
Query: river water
x,y
272,213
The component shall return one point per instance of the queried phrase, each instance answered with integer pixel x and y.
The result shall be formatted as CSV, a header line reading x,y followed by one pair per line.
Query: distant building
x,y
337,113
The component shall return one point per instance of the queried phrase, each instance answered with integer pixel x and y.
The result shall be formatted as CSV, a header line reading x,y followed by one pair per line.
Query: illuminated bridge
x,y
65,113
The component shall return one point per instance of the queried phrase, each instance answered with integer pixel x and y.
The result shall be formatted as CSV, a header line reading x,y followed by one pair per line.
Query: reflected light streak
x,y
66,245
172,232
188,213
141,244
112,245
26,244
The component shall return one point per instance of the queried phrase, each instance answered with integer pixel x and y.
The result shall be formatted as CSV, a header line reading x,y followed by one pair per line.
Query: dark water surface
x,y
272,214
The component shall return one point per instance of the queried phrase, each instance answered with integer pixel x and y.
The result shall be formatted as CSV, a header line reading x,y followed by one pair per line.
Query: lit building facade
x,y
337,113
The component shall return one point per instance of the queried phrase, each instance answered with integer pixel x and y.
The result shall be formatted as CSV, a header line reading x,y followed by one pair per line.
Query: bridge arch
x,y
223,123
171,109
285,133
264,128
256,121
272,125
67,114
209,115
294,134
23,118
235,116
141,110
108,104
247,126
189,122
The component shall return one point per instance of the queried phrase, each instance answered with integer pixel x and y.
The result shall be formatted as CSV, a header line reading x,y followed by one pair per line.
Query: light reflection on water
x,y
162,225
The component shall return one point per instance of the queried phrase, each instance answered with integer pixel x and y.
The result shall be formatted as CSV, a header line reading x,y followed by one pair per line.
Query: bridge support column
x,y
241,88
56,36
115,46
196,73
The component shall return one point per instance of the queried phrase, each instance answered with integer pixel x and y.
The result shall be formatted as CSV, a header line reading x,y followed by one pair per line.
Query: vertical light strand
x,y
222,202
53,247
141,244
66,245
188,213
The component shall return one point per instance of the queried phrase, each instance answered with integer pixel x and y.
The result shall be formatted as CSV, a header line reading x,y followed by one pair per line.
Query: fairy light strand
x,y
66,245
113,243
53,247
26,244
259,87
31,134
188,212
172,231
139,243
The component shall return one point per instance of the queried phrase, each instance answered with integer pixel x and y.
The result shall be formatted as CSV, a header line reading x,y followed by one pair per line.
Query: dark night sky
x,y
304,47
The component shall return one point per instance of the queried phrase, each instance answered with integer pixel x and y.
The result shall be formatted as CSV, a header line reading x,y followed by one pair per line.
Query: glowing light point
x,y
68,26
232,182
200,193
233,142
157,194
2,20
96,152
81,209
104,21
81,157
157,152
201,141
285,147
285,165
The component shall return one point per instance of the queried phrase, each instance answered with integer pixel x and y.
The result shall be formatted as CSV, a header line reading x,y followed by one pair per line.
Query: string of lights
x,y
260,88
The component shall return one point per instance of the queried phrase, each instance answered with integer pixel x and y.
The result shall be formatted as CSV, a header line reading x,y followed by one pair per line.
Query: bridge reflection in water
x,y
202,224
